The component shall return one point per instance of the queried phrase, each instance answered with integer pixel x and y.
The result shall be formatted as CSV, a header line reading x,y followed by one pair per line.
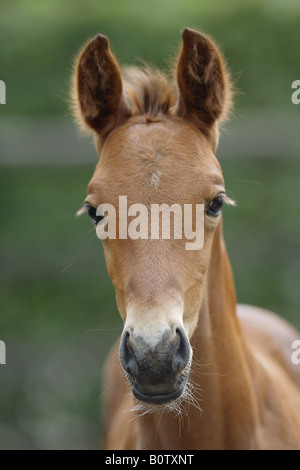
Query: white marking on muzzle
x,y
152,323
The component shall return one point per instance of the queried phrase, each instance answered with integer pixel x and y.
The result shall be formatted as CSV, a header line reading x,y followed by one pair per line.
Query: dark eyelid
x,y
209,200
227,200
92,212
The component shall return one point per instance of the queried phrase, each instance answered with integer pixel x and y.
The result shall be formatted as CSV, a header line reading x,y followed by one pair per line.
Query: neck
x,y
221,369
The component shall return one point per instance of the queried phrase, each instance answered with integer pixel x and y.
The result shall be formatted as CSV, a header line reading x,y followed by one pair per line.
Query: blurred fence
x,y
250,133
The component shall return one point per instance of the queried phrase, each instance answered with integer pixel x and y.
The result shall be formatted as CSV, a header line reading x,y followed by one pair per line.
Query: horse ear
x,y
98,91
204,85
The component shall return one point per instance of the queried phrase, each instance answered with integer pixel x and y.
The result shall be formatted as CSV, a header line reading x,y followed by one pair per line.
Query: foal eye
x,y
92,211
215,206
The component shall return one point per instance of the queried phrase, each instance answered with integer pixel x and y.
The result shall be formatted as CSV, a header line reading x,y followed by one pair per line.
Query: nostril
x,y
127,357
182,351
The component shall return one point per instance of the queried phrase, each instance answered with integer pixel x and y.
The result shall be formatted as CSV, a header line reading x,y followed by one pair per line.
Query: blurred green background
x,y
58,313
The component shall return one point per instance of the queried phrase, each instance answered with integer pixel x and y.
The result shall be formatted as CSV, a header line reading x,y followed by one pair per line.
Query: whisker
x,y
247,181
75,258
103,329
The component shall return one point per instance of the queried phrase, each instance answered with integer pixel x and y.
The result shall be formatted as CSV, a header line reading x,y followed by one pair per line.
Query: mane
x,y
149,91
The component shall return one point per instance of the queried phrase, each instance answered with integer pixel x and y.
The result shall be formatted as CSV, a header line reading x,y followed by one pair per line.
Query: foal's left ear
x,y
98,90
204,85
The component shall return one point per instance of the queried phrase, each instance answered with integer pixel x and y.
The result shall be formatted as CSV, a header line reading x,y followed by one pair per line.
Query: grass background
x,y
58,315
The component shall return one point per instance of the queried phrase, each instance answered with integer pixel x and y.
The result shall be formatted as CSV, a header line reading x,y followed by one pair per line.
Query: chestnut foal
x,y
200,371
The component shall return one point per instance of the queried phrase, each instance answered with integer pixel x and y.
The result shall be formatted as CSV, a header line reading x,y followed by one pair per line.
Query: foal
x,y
187,347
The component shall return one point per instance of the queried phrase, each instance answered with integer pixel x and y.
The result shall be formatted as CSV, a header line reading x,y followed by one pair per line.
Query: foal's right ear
x,y
98,96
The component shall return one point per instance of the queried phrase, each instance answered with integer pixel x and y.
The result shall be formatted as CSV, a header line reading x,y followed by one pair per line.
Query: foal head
x,y
158,148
